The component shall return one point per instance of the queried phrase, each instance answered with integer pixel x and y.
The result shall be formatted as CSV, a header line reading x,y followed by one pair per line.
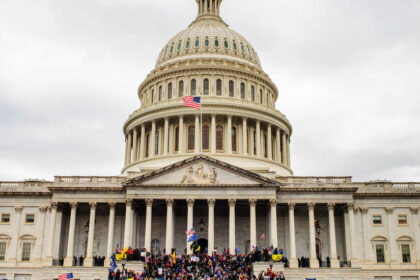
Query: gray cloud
x,y
347,73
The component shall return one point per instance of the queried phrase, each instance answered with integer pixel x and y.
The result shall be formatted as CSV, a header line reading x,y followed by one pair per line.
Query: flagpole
x,y
201,124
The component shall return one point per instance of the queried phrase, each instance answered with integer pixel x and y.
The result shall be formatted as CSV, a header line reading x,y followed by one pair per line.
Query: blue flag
x,y
113,264
192,238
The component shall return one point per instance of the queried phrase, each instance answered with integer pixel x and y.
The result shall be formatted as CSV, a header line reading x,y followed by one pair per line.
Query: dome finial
x,y
209,7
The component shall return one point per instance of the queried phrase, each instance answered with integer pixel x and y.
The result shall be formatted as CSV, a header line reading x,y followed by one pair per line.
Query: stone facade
x,y
226,167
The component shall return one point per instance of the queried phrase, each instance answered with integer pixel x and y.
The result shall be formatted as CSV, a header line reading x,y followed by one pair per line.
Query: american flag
x,y
192,102
66,276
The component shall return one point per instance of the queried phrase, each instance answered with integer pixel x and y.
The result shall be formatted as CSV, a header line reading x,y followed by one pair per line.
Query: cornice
x,y
86,189
387,195
316,189
25,194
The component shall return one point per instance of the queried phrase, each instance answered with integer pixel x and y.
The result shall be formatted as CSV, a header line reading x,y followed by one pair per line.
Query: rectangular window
x,y
402,220
377,220
5,218
380,253
405,250
2,251
30,219
26,252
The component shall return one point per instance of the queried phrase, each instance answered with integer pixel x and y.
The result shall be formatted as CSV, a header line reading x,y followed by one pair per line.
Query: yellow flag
x,y
198,249
124,251
173,256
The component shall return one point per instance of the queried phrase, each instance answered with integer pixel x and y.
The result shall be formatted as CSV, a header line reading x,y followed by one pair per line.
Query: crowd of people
x,y
199,266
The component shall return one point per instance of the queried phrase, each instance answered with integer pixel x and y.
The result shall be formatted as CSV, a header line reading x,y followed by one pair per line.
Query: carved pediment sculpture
x,y
200,175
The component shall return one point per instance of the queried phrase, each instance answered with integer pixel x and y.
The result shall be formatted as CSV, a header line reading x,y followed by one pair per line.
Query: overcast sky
x,y
348,73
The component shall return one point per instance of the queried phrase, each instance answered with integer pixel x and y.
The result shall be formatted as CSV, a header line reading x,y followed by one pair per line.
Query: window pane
x,y
170,91
206,86
2,251
205,137
193,85
252,93
181,89
261,96
219,137
5,218
402,219
405,249
30,218
377,220
191,136
219,87
380,253
26,251
147,144
160,93
242,90
157,142
231,88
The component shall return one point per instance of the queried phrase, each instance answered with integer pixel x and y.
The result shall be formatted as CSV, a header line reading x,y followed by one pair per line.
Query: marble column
x,y
89,254
333,242
152,144
252,141
127,224
68,261
15,234
293,263
253,223
41,232
197,134
288,151
393,247
148,229
142,141
313,261
190,216
416,233
211,203
128,149
354,259
166,136
135,136
213,133
273,223
181,135
278,145
49,258
244,137
111,225
269,143
258,136
169,225
232,229
229,134
284,149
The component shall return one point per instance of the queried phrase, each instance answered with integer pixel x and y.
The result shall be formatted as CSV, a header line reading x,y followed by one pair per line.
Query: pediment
x,y
201,170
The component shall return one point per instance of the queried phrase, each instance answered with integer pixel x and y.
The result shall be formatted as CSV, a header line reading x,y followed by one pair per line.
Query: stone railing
x,y
392,186
88,179
24,186
316,180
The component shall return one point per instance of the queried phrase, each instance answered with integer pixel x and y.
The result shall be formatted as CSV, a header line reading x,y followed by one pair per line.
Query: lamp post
x,y
201,225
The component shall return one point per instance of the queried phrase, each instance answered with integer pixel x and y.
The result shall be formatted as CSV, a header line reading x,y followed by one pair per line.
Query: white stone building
x,y
225,170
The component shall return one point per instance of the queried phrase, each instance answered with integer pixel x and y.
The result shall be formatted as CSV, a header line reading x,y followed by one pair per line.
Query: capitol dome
x,y
238,122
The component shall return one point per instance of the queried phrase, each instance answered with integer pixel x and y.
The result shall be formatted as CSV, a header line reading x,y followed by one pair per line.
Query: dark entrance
x,y
202,244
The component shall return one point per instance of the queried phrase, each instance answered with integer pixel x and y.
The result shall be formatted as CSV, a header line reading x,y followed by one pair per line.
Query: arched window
x,y
197,42
170,91
234,144
193,87
191,137
157,142
231,88
205,140
160,93
206,87
181,89
4,244
252,93
219,87
261,96
219,138
207,42
187,44
27,242
153,96
242,90
177,139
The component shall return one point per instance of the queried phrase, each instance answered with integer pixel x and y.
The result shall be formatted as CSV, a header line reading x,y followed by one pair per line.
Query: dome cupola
x,y
209,7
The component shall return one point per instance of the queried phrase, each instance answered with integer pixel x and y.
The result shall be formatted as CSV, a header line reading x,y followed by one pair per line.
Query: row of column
x,y
136,143
190,206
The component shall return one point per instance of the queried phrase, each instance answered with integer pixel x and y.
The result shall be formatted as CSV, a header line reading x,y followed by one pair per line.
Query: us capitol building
x,y
228,175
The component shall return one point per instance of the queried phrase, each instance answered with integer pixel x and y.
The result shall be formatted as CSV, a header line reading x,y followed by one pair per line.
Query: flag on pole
x,y
192,102
262,237
190,231
66,276
192,238
113,265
